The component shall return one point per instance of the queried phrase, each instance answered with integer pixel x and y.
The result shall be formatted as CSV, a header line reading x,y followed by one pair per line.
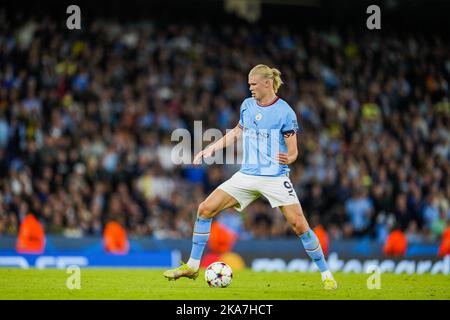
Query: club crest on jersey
x,y
258,117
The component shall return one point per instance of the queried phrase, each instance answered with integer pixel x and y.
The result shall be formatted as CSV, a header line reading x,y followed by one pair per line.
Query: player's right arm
x,y
229,138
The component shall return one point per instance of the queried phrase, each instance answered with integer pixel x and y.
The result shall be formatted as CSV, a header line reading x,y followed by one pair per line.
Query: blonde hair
x,y
268,73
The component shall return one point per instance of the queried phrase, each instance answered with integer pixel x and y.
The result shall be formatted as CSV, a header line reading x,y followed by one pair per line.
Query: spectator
x,y
396,244
359,208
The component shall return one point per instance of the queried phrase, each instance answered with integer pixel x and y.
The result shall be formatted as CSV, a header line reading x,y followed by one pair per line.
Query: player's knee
x,y
205,211
299,227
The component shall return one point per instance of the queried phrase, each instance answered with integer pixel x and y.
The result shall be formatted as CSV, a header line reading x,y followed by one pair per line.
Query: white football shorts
x,y
247,188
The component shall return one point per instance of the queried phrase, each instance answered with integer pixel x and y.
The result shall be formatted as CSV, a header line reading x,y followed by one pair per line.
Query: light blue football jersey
x,y
264,128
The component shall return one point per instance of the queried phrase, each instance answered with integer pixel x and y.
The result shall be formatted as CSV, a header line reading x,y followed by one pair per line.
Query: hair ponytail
x,y
277,82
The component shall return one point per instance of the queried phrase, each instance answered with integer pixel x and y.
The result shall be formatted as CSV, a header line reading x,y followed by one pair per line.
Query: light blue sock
x,y
314,250
200,237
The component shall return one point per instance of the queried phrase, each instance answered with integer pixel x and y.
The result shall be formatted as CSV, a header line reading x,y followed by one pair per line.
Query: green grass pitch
x,y
246,285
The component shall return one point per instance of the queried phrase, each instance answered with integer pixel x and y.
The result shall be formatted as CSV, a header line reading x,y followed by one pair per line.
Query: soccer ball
x,y
218,275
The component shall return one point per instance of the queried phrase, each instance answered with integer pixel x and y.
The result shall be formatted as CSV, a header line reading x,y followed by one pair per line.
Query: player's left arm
x,y
289,131
291,155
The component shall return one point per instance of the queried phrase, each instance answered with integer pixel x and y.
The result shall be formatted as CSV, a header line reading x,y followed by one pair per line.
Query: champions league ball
x,y
218,275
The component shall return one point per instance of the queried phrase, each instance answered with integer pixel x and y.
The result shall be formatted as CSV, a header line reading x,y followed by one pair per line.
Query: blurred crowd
x,y
86,119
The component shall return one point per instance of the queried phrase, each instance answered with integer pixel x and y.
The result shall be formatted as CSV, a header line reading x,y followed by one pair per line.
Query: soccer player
x,y
268,127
